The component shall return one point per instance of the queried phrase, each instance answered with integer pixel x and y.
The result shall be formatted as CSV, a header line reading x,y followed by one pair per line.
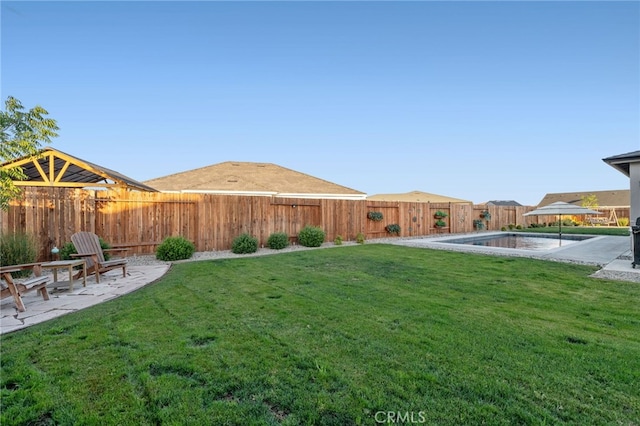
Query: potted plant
x,y
478,224
440,223
440,214
485,214
393,228
375,216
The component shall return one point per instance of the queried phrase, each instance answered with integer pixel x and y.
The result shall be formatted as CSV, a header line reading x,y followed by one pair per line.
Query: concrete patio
x,y
62,301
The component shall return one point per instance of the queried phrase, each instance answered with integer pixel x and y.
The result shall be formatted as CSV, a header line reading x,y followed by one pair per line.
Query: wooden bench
x,y
598,221
16,290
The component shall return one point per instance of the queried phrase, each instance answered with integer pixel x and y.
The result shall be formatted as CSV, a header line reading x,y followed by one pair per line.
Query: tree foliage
x,y
589,201
22,133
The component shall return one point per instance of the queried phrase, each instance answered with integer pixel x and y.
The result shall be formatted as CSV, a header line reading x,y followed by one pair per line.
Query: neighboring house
x,y
53,168
629,165
613,198
419,197
504,203
613,204
245,178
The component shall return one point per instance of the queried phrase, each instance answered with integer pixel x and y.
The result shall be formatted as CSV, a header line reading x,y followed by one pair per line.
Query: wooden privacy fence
x,y
211,221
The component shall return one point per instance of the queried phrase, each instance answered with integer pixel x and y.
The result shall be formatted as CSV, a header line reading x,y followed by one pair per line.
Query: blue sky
x,y
474,100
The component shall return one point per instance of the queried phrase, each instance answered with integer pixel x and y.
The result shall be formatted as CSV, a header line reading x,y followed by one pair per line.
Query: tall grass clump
x,y
244,243
311,236
17,248
278,241
175,248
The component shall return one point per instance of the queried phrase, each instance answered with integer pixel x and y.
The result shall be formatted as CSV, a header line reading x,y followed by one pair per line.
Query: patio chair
x,y
37,283
87,245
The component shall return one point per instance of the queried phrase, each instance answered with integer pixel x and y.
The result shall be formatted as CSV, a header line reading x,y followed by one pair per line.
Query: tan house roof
x,y
419,197
246,178
614,198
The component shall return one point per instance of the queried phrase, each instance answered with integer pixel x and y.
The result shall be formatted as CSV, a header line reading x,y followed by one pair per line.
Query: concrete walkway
x,y
613,254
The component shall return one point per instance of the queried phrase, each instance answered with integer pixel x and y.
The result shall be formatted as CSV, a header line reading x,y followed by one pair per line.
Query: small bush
x,y
311,236
18,248
360,238
277,241
338,240
175,248
504,228
623,221
518,227
244,243
68,249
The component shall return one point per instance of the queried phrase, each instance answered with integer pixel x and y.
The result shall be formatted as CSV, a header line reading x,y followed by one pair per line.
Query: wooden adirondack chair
x,y
88,247
16,290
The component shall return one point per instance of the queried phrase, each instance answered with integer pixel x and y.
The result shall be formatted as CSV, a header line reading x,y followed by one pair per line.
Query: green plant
x,y
338,240
485,214
478,223
175,248
244,243
360,238
440,214
393,228
511,226
68,249
311,236
440,223
504,228
375,216
278,241
18,248
623,221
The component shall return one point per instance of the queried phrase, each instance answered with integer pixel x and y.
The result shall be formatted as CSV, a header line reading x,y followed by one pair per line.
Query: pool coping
x,y
599,250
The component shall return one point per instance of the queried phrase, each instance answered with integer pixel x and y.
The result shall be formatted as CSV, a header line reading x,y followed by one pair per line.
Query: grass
x,y
339,336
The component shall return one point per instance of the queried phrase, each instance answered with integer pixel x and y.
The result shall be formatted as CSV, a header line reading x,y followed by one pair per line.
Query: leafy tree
x,y
589,201
22,134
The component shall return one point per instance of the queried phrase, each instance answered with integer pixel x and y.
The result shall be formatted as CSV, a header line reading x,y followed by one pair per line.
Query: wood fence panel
x,y
212,221
391,215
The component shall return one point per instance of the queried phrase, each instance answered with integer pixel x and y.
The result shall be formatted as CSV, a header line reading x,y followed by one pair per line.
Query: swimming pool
x,y
537,242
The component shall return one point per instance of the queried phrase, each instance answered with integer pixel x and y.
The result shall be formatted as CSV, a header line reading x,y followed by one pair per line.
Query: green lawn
x,y
584,230
339,336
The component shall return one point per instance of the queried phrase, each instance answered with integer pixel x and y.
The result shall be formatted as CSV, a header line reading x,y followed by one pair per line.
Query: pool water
x,y
520,241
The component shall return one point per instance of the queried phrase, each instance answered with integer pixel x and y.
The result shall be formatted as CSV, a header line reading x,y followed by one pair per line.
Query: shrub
x,y
68,249
375,216
518,227
393,228
360,238
18,248
175,248
440,214
440,223
623,221
504,228
277,241
338,240
244,243
311,236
